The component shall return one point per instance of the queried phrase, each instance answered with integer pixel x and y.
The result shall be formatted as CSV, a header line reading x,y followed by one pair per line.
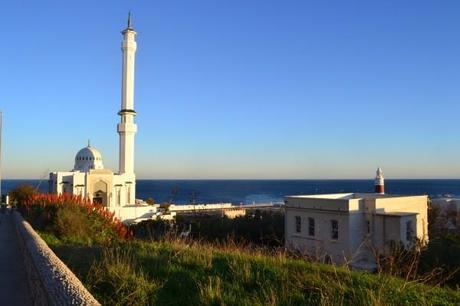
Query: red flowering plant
x,y
73,218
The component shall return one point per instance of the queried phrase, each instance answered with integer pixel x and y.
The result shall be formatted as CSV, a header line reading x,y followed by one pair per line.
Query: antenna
x,y
43,177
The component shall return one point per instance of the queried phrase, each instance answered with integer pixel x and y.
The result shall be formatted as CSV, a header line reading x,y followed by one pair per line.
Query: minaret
x,y
379,182
127,128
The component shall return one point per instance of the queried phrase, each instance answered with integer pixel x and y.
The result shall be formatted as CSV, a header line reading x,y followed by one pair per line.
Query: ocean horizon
x,y
248,191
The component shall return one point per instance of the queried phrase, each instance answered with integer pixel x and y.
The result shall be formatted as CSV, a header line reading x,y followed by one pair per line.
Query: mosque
x,y
89,178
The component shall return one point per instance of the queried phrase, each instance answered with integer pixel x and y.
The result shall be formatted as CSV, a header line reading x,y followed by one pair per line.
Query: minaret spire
x,y
129,21
129,27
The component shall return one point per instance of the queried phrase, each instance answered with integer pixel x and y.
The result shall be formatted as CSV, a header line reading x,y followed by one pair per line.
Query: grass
x,y
121,271
179,273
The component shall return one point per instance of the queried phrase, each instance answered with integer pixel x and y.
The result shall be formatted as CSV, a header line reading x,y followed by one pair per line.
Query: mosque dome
x,y
87,159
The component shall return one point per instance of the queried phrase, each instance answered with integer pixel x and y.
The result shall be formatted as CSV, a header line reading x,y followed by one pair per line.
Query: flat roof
x,y
396,214
349,196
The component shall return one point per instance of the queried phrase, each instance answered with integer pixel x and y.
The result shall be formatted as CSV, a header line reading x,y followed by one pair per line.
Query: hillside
x,y
176,273
120,270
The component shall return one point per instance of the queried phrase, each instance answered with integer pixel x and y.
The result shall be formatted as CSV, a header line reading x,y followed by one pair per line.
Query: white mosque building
x,y
89,178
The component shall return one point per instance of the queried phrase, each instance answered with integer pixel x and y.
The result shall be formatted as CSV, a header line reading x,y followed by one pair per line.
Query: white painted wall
x,y
352,211
120,188
127,128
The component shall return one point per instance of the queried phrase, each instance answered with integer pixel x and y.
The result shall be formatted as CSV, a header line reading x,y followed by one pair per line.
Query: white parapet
x,y
195,207
131,213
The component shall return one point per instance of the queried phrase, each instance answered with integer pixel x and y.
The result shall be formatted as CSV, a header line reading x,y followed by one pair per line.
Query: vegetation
x,y
443,250
73,219
180,273
259,228
443,253
22,194
119,270
150,201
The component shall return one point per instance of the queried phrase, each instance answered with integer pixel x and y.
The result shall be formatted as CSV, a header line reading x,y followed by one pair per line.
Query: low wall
x,y
198,207
50,281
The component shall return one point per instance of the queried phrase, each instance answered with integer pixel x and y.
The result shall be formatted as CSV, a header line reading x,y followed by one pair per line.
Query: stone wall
x,y
50,281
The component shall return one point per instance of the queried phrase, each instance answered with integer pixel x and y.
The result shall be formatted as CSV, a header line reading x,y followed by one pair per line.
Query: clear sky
x,y
236,89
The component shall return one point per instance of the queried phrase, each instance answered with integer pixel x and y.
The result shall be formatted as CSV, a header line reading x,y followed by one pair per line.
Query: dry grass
x,y
177,272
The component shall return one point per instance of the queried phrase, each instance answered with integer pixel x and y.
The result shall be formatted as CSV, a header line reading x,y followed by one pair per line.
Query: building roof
x,y
349,202
348,196
87,159
396,214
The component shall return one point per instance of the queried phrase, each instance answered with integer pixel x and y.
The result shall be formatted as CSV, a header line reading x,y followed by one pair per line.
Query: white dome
x,y
87,159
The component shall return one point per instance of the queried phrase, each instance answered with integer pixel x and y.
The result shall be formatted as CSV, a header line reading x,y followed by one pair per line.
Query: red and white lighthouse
x,y
379,182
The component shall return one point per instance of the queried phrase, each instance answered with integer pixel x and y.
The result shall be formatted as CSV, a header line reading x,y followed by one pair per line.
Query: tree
x,y
443,252
21,194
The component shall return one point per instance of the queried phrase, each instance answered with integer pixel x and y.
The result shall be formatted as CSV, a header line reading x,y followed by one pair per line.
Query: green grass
x,y
176,273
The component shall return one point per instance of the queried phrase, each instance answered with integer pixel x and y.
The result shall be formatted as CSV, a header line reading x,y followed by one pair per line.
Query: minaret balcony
x,y
127,112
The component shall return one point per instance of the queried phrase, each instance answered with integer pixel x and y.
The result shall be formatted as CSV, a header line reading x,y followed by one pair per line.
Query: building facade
x,y
89,178
354,228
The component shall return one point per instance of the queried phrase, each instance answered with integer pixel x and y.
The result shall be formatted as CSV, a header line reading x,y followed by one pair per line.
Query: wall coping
x,y
50,280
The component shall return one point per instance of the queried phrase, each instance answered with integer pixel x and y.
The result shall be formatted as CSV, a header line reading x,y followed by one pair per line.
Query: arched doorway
x,y
100,198
100,194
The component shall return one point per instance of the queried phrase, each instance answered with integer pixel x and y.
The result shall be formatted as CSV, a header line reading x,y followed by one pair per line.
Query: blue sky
x,y
236,89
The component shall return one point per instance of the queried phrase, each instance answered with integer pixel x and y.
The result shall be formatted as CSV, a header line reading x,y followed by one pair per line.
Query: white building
x,y
353,228
88,178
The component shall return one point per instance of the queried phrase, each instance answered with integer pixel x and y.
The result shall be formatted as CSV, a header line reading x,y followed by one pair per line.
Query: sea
x,y
265,191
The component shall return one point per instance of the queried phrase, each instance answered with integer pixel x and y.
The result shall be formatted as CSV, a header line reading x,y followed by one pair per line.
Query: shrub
x,y
73,218
71,221
443,252
22,194
261,228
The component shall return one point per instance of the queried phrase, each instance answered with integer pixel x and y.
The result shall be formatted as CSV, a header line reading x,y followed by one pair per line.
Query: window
x,y
334,229
311,227
409,231
298,224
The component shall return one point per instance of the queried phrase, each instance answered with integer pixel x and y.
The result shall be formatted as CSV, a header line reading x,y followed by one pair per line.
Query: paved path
x,y
13,278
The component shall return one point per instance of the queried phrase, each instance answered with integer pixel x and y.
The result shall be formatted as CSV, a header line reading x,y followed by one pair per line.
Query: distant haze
x,y
236,89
